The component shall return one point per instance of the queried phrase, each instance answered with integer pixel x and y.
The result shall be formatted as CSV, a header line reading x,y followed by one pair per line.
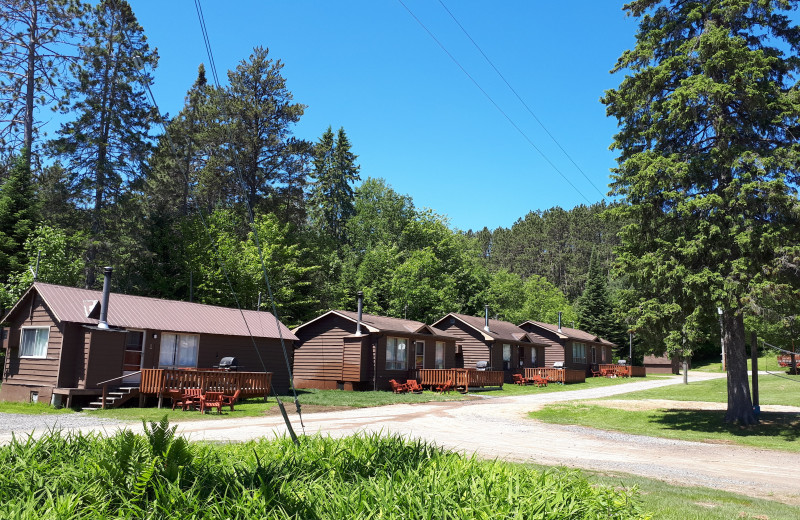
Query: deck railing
x,y
461,377
156,381
557,375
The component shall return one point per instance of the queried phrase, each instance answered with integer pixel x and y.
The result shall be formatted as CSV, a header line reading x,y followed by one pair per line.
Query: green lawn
x,y
591,382
765,362
670,502
777,431
31,408
772,389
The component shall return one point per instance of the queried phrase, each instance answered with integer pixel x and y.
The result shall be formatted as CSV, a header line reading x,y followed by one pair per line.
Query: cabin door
x,y
419,355
132,361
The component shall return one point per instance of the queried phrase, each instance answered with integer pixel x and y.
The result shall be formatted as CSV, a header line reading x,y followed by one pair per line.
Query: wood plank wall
x,y
29,371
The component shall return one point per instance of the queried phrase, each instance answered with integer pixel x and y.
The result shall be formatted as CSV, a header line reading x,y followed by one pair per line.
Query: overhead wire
x,y
522,101
783,351
493,102
251,218
218,255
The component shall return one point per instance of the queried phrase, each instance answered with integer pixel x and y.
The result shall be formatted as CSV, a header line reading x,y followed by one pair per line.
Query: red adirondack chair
x,y
398,388
211,400
519,379
414,386
447,386
229,400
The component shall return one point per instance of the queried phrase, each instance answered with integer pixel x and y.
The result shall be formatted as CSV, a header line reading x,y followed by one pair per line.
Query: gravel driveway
x,y
499,428
25,423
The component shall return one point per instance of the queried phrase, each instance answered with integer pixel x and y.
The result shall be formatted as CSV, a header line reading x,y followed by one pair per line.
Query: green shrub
x,y
159,475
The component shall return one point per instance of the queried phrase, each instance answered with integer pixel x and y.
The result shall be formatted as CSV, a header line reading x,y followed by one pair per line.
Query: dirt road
x,y
499,428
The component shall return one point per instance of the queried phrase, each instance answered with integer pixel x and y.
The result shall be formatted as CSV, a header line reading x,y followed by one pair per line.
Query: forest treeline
x,y
173,202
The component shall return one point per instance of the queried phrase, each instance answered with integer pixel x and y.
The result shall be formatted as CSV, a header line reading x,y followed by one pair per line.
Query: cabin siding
x,y
106,352
212,348
71,366
318,358
33,371
473,347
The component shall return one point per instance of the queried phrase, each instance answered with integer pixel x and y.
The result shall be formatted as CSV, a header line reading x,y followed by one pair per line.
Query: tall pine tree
x,y
108,141
708,165
18,216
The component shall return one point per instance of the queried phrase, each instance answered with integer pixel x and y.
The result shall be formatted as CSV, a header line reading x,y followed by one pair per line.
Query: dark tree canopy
x,y
708,165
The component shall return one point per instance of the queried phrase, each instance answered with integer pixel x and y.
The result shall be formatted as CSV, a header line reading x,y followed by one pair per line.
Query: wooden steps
x,y
115,398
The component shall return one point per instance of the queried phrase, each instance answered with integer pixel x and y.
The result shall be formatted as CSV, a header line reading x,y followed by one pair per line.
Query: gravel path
x,y
24,423
499,428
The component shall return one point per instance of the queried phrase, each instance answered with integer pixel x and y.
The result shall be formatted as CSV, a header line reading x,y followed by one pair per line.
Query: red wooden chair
x,y
519,379
447,386
539,381
191,397
211,400
398,388
413,386
596,373
177,398
229,400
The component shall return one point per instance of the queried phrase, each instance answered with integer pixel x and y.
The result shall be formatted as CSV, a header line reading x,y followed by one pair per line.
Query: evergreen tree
x,y
331,197
708,166
38,40
18,217
595,312
109,140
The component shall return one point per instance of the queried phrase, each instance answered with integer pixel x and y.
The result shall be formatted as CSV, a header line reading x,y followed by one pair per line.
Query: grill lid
x,y
228,361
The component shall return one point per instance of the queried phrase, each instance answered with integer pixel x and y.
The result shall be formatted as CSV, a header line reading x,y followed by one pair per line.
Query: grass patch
x,y
31,408
591,382
767,361
783,390
312,400
161,476
777,431
696,503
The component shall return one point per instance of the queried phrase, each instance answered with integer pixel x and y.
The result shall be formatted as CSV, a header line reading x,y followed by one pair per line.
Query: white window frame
x,y
439,360
579,353
394,348
22,342
417,364
176,356
506,356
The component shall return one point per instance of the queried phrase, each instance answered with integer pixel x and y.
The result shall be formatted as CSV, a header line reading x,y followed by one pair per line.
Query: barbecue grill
x,y
558,364
481,365
229,363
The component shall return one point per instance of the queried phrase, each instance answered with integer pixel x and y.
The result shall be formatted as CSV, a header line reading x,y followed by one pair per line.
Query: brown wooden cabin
x,y
504,346
55,348
575,348
329,354
662,364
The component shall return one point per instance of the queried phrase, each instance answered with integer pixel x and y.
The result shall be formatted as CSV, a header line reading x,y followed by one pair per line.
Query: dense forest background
x,y
199,205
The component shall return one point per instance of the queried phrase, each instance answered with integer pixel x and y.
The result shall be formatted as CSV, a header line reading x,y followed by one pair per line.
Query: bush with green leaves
x,y
160,475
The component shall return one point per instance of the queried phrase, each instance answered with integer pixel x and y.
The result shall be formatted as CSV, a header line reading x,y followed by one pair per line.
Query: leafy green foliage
x,y
708,166
71,475
18,217
595,312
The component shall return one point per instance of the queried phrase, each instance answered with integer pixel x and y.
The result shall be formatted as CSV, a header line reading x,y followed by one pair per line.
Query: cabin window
x,y
439,354
506,356
178,350
419,354
579,353
594,356
533,357
34,342
395,354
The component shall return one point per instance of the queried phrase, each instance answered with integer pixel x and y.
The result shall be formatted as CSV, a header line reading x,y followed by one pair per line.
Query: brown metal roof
x,y
498,329
571,333
139,312
374,323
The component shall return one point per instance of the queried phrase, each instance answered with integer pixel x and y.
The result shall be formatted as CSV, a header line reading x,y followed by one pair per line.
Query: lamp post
x,y
630,347
721,338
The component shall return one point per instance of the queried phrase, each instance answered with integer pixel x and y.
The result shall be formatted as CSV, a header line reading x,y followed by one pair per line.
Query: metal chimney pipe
x,y
360,295
486,325
559,321
103,323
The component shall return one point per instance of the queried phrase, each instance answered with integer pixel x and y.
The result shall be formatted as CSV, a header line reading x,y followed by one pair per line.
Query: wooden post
x,y
141,400
105,394
754,361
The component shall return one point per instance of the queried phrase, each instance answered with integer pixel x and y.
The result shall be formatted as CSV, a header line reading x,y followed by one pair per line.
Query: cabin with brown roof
x,y
335,351
491,344
663,364
574,348
58,345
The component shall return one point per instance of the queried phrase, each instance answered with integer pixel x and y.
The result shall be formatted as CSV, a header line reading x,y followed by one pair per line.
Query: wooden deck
x,y
461,377
156,381
622,370
557,375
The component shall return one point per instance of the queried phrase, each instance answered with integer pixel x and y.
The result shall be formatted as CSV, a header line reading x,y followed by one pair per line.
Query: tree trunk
x,y
30,82
740,405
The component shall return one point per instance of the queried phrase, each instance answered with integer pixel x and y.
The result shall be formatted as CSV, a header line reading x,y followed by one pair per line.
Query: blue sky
x,y
413,117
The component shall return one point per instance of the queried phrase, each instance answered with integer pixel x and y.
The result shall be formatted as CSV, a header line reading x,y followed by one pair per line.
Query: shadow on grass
x,y
782,425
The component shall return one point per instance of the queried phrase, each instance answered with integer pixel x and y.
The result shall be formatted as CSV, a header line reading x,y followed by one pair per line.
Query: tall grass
x,y
159,475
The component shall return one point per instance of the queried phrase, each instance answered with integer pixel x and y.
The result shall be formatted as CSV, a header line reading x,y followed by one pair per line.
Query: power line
x,y
237,171
530,111
492,101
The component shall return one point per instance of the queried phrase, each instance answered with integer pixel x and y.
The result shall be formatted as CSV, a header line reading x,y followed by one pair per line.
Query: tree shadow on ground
x,y
784,425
